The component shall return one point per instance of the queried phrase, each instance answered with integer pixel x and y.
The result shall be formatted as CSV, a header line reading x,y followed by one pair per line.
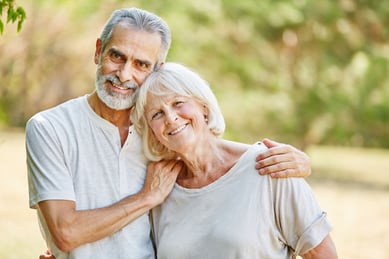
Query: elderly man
x,y
86,169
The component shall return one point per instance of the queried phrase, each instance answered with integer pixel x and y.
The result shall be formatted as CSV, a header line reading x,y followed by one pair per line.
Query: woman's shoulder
x,y
235,147
240,150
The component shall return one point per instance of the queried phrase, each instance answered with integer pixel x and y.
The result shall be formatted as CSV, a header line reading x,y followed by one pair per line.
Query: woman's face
x,y
178,122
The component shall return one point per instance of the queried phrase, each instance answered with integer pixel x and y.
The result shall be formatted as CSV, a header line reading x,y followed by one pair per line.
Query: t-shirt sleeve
x,y
301,221
48,175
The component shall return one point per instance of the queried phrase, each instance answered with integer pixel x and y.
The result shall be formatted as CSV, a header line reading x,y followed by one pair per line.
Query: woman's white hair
x,y
173,78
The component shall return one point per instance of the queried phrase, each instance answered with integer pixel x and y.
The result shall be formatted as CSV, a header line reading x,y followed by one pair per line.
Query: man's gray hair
x,y
142,20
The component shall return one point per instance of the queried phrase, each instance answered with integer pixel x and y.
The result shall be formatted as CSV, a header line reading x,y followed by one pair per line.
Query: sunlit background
x,y
314,74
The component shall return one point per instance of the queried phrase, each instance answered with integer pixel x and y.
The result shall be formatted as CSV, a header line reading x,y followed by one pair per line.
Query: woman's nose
x,y
171,116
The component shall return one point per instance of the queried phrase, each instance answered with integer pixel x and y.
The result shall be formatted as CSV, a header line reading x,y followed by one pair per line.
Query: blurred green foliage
x,y
14,13
300,71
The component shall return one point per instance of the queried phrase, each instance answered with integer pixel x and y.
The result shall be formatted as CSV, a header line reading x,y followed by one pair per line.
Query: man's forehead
x,y
126,31
130,40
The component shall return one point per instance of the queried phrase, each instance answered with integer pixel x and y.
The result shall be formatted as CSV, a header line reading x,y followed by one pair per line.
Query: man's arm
x,y
71,228
325,250
282,160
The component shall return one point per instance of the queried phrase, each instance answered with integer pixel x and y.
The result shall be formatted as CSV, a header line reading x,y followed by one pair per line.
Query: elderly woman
x,y
220,207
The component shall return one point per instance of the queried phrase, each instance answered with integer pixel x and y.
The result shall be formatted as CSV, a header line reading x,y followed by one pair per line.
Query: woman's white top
x,y
241,215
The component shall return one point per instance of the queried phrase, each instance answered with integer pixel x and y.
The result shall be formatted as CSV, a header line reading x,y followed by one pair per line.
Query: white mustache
x,y
115,80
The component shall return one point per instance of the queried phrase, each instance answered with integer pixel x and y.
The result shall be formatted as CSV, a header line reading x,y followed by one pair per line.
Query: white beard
x,y
113,99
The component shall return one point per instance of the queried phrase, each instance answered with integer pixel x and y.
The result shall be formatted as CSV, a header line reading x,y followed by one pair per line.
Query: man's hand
x,y
71,228
47,255
161,177
282,160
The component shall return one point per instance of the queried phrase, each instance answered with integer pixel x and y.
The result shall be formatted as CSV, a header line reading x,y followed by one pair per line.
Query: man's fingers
x,y
272,160
161,177
47,255
274,151
284,173
177,166
165,167
276,167
282,160
277,172
270,143
286,165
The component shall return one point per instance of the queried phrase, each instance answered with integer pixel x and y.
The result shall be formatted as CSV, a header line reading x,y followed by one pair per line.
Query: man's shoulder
x,y
62,112
72,105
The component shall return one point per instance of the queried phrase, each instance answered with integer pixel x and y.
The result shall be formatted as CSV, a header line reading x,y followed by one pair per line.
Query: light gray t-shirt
x,y
73,154
241,215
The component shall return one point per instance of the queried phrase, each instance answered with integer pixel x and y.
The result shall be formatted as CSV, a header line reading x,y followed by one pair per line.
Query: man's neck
x,y
119,118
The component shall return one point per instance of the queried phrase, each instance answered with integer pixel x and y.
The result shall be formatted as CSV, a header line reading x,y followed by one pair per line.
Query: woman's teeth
x,y
178,130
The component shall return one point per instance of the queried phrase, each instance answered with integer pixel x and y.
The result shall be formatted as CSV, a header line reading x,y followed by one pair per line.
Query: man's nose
x,y
125,72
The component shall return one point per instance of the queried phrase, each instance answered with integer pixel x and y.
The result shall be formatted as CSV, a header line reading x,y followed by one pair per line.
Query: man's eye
x,y
116,57
142,65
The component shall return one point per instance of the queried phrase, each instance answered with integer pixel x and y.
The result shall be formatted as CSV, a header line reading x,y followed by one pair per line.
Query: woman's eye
x,y
156,115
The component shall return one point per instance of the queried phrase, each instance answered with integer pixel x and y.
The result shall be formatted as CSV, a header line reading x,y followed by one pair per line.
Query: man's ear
x,y
97,51
158,66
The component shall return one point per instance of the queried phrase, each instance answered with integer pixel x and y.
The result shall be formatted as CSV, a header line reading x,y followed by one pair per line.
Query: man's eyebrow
x,y
115,51
112,50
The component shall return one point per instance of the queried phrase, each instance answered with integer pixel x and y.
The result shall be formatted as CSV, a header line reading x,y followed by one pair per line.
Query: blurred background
x,y
314,74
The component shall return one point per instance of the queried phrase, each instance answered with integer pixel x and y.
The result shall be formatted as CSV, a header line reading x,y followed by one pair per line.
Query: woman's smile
x,y
178,130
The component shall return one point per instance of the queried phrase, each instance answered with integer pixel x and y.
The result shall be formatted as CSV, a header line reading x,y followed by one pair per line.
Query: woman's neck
x,y
209,162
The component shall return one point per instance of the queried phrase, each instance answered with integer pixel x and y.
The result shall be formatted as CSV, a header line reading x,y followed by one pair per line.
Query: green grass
x,y
362,168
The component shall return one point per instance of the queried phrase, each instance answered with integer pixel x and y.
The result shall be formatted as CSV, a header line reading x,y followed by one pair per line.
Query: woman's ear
x,y
205,112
